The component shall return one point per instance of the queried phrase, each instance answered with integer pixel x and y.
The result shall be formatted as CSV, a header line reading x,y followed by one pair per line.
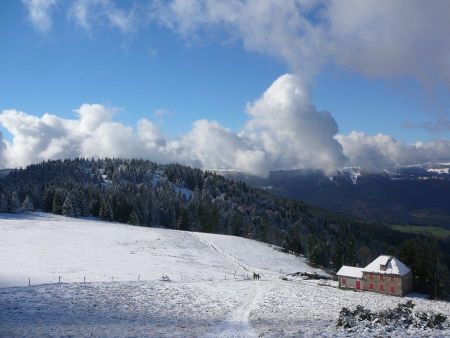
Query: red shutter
x,y
392,289
381,287
344,281
371,286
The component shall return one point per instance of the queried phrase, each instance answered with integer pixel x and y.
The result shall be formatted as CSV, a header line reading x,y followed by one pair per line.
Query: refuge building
x,y
386,274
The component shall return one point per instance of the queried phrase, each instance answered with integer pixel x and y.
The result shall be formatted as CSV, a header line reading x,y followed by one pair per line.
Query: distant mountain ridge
x,y
415,194
4,172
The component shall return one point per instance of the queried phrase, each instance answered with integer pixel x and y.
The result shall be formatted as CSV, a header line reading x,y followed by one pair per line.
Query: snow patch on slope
x,y
44,247
352,173
439,170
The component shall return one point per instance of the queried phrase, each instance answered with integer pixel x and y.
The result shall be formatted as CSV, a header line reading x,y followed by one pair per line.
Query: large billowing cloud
x,y
283,131
289,129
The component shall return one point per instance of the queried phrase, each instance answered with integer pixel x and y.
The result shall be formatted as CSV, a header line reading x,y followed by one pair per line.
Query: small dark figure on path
x,y
256,276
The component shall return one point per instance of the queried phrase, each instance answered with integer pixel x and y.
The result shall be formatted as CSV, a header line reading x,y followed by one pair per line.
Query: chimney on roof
x,y
383,267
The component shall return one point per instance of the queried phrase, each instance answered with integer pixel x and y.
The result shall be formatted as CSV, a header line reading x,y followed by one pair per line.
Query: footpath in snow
x,y
209,293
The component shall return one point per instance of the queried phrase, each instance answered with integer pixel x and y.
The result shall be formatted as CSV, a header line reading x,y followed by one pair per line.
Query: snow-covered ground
x,y
44,247
209,293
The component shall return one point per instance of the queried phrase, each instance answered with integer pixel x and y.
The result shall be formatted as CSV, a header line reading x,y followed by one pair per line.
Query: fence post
x,y
84,279
139,277
59,279
29,281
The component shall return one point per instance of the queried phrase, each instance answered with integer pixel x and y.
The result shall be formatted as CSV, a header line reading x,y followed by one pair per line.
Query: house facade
x,y
350,277
386,274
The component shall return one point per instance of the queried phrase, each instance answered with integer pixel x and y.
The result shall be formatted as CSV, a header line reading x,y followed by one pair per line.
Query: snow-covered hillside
x,y
208,294
44,247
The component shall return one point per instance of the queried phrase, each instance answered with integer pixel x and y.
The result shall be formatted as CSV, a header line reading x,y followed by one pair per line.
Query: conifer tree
x,y
94,205
47,199
14,205
106,212
27,204
68,208
3,203
183,221
58,201
134,218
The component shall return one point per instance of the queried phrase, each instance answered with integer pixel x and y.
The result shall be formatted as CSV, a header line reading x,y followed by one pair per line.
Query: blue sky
x,y
156,69
209,75
140,72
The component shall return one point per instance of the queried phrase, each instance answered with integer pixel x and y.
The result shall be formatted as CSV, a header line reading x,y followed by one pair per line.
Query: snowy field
x,y
208,295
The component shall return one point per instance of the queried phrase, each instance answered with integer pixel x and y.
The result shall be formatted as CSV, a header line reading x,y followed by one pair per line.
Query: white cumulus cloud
x,y
284,130
93,134
289,129
375,152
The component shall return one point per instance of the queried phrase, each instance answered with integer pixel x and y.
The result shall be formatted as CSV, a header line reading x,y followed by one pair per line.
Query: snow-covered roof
x,y
350,271
387,265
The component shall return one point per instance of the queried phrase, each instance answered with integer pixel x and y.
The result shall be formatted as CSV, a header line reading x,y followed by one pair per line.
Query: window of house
x,y
381,277
344,281
392,289
371,286
381,287
371,276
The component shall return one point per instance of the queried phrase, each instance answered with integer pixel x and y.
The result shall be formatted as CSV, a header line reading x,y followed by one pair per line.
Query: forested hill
x,y
144,193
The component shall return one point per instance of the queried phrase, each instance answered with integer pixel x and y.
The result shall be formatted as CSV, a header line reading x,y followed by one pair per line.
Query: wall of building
x,y
349,282
387,284
407,283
